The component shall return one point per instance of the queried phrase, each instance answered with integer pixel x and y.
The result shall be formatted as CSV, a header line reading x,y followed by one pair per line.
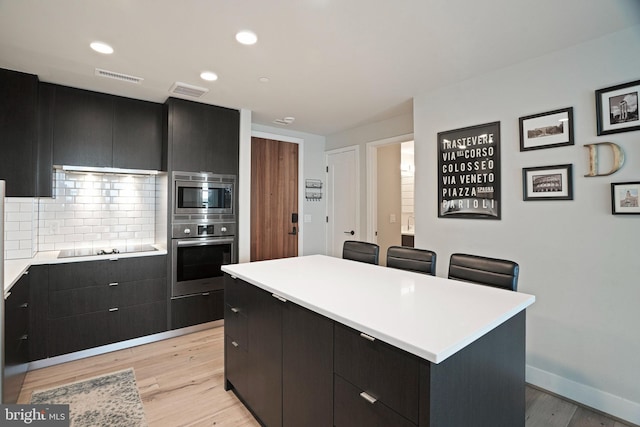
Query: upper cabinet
x,y
99,130
18,132
201,137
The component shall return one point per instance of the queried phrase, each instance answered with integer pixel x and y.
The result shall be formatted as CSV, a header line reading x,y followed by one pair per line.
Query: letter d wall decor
x,y
618,158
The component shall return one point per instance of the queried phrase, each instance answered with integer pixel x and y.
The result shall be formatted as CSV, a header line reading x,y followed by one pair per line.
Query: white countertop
x,y
14,268
431,317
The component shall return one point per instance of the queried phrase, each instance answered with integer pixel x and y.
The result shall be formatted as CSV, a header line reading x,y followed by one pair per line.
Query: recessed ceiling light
x,y
263,79
102,48
209,76
247,37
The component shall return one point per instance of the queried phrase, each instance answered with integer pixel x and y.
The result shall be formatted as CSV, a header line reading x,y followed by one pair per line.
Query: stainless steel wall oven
x,y
203,231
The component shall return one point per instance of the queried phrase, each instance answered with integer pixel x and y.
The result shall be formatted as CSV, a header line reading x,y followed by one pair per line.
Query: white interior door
x,y
343,195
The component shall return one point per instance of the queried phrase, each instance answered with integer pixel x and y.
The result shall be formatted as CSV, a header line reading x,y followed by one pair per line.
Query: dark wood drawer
x,y
196,309
235,365
236,293
385,372
71,302
351,409
91,273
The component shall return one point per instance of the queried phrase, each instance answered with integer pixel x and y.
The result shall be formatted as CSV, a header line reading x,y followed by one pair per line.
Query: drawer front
x,y
236,365
196,309
92,273
71,302
236,293
383,371
351,409
78,275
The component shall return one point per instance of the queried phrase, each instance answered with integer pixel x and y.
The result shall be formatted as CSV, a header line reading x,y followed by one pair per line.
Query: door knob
x,y
350,232
294,232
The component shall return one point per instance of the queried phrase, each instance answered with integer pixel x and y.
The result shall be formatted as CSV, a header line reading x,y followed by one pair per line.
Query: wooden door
x,y
274,199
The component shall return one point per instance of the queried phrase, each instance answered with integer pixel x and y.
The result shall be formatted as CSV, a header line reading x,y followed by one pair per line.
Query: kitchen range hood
x,y
95,169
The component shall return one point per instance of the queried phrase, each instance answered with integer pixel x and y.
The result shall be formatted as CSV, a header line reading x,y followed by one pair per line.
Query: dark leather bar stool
x,y
361,251
494,272
412,259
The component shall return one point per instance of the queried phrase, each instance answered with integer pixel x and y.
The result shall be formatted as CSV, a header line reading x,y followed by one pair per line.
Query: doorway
x,y
274,199
390,193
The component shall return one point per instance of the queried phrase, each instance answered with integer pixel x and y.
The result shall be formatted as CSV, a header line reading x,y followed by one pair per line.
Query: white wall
x,y
390,128
313,232
579,261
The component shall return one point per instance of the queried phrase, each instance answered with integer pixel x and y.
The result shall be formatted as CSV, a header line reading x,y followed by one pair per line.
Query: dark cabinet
x,y
16,339
196,309
283,369
386,374
18,132
38,313
137,134
202,137
101,302
99,130
408,240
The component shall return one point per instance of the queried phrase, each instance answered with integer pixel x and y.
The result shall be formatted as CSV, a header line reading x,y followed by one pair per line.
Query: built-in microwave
x,y
203,193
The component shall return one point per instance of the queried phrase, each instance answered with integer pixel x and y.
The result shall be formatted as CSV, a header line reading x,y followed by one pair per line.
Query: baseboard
x,y
608,403
56,360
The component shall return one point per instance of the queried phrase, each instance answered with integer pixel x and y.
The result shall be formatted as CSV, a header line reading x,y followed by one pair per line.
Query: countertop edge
x,y
15,268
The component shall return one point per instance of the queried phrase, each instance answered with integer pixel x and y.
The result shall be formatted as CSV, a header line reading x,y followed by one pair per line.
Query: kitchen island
x,y
323,341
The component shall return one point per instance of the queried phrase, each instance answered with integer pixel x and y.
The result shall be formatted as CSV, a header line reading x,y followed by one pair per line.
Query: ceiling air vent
x,y
286,121
118,76
184,89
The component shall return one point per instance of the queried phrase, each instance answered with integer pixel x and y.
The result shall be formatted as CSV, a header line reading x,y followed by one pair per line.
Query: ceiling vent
x,y
184,89
118,76
284,121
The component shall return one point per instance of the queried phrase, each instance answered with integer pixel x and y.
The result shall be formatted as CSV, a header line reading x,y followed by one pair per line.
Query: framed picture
x,y
546,130
469,172
624,198
547,183
617,108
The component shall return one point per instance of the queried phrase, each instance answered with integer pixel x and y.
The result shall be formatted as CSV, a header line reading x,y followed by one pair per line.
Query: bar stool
x,y
494,272
412,259
361,251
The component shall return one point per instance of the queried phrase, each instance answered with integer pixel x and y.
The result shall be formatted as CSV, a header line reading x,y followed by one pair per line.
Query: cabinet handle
x,y
206,294
367,337
24,337
25,273
279,298
113,309
235,310
113,284
366,396
24,305
113,259
234,277
235,344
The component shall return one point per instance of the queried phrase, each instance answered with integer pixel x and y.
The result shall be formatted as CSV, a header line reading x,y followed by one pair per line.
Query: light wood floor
x,y
181,384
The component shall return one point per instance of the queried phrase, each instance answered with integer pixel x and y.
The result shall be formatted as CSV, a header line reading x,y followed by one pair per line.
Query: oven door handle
x,y
184,243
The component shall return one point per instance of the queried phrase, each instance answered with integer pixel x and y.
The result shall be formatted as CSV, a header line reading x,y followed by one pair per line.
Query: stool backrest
x,y
361,251
412,259
494,272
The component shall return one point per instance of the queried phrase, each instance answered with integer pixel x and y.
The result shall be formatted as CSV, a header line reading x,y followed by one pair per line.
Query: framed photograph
x,y
469,172
547,183
624,198
546,130
617,108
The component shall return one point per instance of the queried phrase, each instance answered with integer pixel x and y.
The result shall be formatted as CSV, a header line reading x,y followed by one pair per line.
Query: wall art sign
x,y
469,172
547,183
617,108
624,198
546,130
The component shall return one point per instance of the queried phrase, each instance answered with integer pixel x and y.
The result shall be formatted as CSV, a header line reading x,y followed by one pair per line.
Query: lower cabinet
x,y
96,303
16,339
195,309
283,371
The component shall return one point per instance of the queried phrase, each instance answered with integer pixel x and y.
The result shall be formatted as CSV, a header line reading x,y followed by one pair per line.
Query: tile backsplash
x,y
90,210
